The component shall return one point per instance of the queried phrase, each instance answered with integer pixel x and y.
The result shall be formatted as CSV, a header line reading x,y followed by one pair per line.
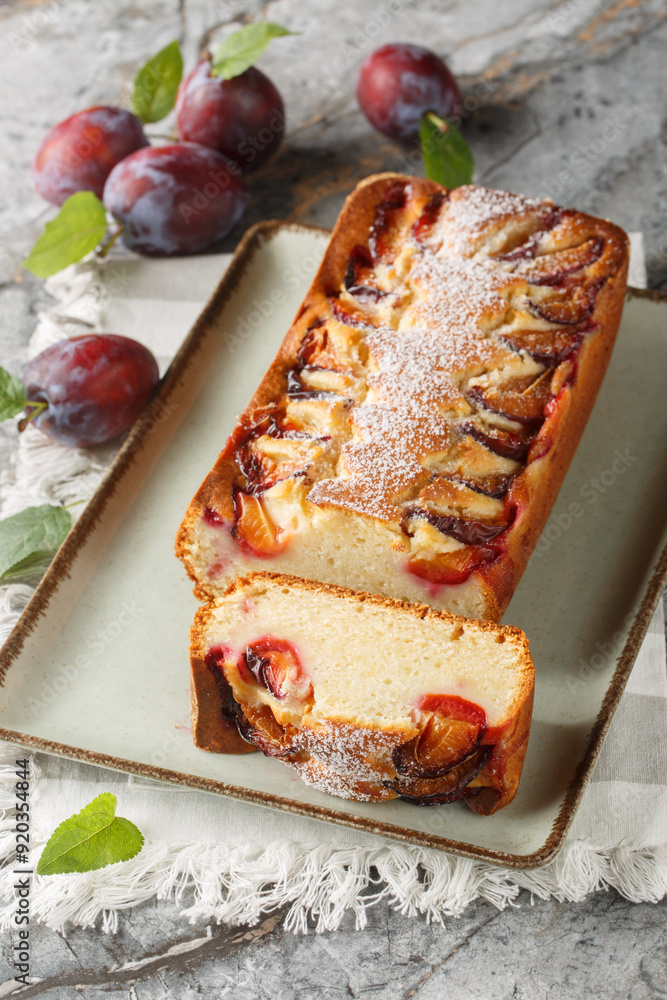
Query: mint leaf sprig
x,y
29,539
447,157
77,230
13,400
12,396
239,51
156,84
91,839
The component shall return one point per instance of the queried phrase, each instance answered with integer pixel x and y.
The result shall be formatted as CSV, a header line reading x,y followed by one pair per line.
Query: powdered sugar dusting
x,y
318,776
456,293
472,209
444,300
414,374
348,760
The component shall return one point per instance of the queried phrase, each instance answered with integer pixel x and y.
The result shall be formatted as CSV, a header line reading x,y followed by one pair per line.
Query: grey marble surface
x,y
606,948
564,99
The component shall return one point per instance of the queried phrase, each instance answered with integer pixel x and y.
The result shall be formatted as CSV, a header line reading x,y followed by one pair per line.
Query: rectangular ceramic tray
x,y
97,668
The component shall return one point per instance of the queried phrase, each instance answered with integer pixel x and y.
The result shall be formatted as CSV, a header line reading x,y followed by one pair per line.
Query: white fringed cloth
x,y
229,861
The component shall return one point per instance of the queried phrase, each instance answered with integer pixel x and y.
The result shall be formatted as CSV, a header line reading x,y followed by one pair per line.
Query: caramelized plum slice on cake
x,y
214,659
384,238
298,386
359,266
459,511
259,726
349,315
450,731
521,398
454,530
452,786
331,346
548,347
254,531
472,464
451,568
260,470
274,450
422,229
500,226
313,349
508,444
270,664
359,277
552,268
569,304
470,532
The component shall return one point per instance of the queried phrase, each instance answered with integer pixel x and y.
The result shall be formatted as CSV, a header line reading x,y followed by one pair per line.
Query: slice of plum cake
x,y
365,697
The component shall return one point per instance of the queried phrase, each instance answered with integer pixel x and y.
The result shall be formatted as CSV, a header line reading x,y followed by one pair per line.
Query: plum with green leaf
x,y
164,200
227,104
399,83
183,197
408,93
84,390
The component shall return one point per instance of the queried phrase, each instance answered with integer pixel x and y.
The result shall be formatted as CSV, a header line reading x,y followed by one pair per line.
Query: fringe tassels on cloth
x,y
318,884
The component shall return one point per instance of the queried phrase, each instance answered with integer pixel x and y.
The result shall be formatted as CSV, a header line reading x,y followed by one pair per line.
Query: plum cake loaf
x,y
413,703
415,427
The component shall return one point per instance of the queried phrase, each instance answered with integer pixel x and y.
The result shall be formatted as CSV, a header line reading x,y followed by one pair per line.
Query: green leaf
x,y
156,84
238,52
37,530
12,395
91,839
447,157
30,570
77,229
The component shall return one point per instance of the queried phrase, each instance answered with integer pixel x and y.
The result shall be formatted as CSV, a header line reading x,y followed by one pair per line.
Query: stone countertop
x,y
562,99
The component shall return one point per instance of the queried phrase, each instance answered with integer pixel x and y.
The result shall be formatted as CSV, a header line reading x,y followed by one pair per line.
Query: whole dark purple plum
x,y
243,118
95,387
175,199
80,152
398,83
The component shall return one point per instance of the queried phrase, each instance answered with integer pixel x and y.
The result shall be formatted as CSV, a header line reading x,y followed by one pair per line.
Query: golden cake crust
x,y
382,476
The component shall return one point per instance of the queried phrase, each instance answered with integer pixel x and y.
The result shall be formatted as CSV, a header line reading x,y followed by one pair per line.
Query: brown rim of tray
x,y
131,448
